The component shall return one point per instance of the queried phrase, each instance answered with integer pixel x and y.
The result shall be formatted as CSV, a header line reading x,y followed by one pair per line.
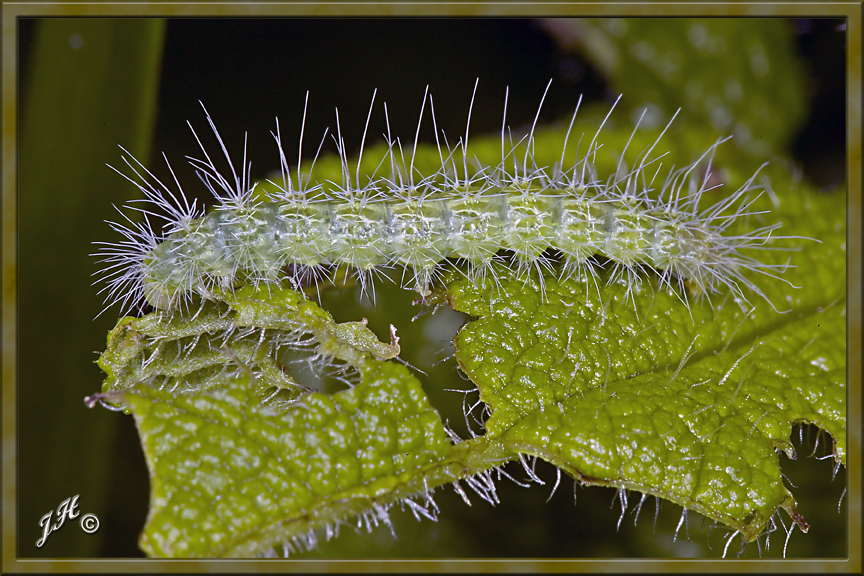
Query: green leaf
x,y
188,352
241,457
230,478
636,392
641,389
738,76
626,388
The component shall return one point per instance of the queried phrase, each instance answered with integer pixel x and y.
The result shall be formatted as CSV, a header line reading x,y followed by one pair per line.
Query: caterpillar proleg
x,y
303,229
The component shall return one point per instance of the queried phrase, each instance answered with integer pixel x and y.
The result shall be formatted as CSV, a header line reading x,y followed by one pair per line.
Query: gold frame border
x,y
852,11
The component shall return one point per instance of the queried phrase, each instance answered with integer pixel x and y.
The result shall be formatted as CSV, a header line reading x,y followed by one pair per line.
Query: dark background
x,y
247,72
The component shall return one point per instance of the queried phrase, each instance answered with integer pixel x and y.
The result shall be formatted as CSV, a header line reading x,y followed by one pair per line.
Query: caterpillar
x,y
301,231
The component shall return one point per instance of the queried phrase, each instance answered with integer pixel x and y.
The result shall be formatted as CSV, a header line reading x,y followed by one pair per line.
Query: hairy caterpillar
x,y
415,222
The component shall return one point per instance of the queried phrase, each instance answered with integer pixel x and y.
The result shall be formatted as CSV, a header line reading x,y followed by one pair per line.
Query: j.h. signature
x,y
67,509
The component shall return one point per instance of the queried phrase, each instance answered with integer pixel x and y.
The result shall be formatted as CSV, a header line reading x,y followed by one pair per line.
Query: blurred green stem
x,y
91,84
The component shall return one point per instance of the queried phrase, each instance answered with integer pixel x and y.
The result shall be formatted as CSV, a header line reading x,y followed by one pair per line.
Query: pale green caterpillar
x,y
303,232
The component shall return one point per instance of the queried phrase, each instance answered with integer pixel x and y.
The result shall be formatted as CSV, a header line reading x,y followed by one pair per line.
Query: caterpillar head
x,y
158,295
